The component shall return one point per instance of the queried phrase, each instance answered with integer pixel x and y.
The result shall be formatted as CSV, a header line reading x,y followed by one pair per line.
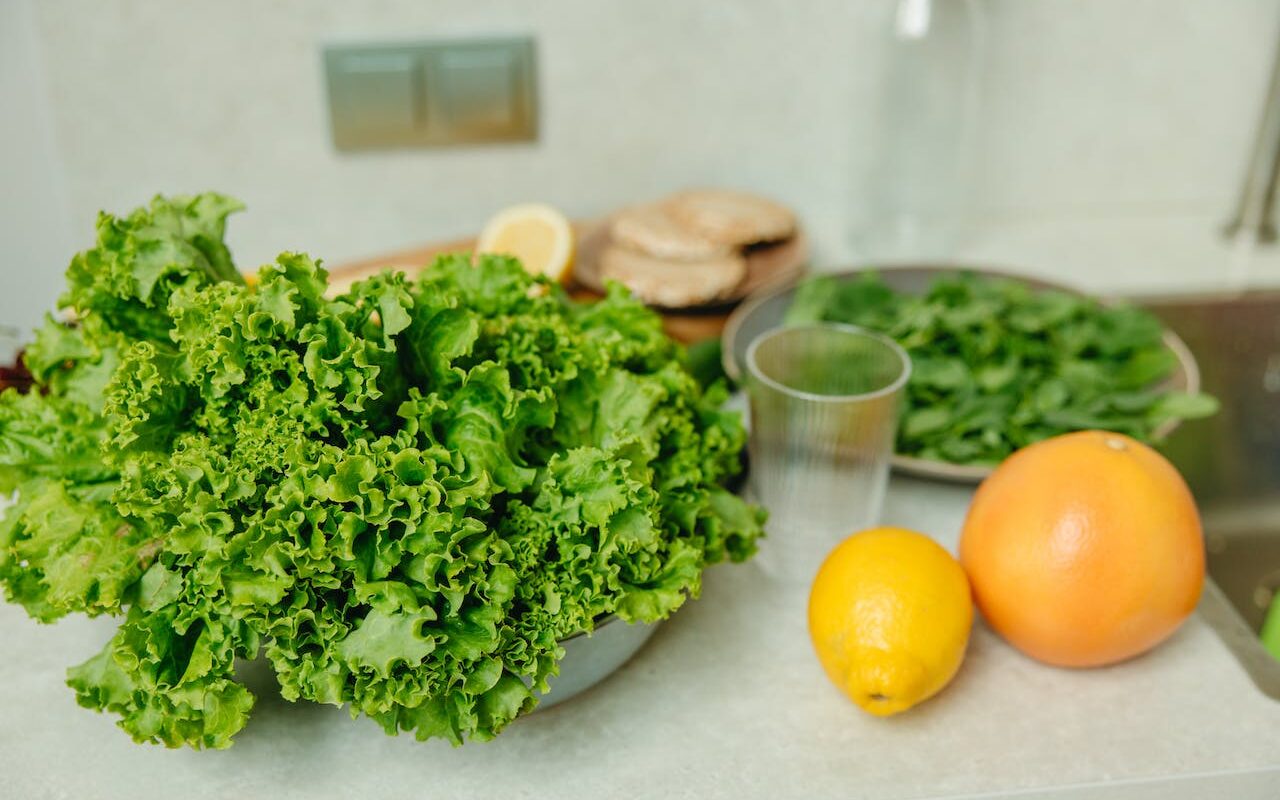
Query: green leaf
x,y
1182,405
126,279
383,639
925,420
705,363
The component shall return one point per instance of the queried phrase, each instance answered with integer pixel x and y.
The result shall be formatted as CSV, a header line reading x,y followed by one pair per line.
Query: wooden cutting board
x,y
683,326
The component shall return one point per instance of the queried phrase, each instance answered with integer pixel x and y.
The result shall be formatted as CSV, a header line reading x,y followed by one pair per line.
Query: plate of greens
x,y
999,361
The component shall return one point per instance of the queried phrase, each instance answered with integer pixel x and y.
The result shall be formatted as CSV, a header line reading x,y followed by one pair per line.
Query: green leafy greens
x,y
403,497
997,365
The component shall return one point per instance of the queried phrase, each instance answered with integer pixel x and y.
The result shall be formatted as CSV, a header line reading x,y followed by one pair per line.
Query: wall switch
x,y
374,98
431,93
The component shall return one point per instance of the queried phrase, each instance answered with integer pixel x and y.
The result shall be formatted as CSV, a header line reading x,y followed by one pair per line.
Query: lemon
x,y
539,235
889,615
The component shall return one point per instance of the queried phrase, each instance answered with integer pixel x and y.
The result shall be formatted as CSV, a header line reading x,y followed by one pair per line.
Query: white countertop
x,y
726,700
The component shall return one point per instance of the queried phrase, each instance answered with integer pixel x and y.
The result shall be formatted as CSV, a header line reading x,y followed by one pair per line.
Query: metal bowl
x,y
767,311
591,657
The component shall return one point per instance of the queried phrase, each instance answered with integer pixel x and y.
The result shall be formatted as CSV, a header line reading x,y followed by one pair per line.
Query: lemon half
x,y
538,235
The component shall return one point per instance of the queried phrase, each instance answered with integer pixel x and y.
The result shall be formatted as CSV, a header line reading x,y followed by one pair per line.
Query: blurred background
x,y
1102,142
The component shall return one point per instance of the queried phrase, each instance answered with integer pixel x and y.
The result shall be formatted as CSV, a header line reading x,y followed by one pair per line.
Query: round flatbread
x,y
735,219
650,229
672,284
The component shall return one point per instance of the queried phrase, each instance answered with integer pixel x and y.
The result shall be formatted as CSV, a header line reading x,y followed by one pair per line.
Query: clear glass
x,y
824,401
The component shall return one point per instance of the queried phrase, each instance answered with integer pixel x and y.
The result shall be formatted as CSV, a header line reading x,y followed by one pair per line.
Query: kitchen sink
x,y
1232,462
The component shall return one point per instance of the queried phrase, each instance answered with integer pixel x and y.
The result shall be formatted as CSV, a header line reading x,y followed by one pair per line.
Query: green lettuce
x,y
403,498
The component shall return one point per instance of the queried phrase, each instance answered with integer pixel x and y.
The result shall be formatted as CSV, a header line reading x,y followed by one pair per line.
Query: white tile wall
x,y
1094,109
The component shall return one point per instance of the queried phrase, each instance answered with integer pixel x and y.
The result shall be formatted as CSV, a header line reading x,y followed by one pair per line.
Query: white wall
x,y
1096,109
636,98
35,244
1105,107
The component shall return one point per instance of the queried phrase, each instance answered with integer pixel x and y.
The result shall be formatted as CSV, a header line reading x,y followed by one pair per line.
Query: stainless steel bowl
x,y
766,311
590,658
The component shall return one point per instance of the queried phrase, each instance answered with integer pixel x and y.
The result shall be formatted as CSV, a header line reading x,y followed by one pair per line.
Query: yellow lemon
x,y
889,615
540,236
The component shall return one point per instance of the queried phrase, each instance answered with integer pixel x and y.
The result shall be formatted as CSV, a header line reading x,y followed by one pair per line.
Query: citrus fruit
x,y
889,615
538,235
1084,549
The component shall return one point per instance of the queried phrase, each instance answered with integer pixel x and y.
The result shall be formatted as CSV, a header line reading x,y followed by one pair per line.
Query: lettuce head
x,y
402,498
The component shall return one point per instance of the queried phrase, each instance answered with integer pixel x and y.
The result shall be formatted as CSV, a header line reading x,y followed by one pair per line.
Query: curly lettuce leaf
x,y
170,686
47,436
141,259
74,362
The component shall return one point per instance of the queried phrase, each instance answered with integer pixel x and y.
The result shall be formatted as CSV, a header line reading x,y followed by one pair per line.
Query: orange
x,y
1084,549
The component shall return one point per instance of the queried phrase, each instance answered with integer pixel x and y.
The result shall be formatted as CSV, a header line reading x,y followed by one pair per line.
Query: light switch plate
x,y
375,98
431,93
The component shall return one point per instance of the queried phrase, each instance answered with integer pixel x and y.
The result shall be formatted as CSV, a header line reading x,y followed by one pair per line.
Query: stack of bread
x,y
691,248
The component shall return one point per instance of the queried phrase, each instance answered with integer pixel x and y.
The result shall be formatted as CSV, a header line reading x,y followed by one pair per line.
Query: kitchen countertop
x,y
726,700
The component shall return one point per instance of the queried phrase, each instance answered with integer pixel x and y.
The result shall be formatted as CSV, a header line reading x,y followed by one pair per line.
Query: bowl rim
x,y
596,624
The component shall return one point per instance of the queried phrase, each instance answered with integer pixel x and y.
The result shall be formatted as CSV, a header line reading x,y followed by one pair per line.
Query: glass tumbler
x,y
824,403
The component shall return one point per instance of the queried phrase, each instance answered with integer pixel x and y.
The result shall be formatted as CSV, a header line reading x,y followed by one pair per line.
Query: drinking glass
x,y
824,404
